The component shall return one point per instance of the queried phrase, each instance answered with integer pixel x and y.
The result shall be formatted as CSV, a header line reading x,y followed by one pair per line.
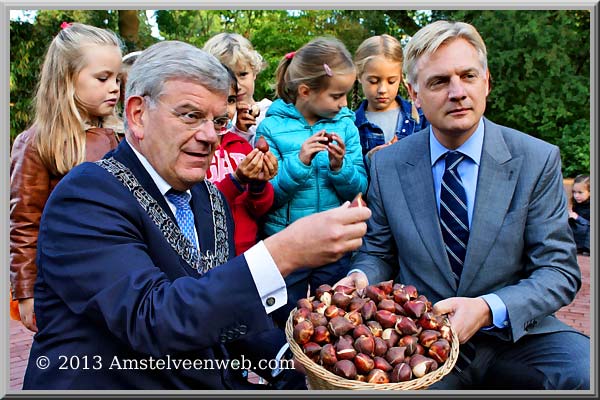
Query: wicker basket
x,y
321,379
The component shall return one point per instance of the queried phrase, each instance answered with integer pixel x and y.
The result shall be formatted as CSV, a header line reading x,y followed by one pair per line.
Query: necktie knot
x,y
179,199
453,158
183,214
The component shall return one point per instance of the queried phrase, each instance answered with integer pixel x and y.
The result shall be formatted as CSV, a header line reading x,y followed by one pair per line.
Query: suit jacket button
x,y
270,301
223,338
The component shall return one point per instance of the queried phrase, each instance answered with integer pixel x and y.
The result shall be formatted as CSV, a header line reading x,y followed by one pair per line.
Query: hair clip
x,y
290,55
65,25
328,71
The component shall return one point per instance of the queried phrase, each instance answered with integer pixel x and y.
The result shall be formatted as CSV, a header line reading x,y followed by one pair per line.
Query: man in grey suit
x,y
486,239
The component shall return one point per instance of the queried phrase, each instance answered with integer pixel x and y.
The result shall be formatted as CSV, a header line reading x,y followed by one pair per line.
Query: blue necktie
x,y
454,219
183,214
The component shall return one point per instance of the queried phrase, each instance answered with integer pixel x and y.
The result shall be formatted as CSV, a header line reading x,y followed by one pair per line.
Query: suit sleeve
x,y
94,254
581,223
551,274
375,256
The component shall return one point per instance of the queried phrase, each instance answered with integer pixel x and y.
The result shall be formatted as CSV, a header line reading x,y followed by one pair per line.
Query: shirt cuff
x,y
355,270
277,370
498,309
267,278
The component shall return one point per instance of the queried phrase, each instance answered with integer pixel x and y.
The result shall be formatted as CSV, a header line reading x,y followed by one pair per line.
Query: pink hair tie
x,y
328,71
65,25
290,55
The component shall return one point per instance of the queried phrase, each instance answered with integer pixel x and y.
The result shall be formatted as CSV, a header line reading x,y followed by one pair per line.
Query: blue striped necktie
x,y
454,219
183,214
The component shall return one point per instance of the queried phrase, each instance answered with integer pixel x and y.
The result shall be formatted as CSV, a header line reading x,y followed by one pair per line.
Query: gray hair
x,y
429,38
173,59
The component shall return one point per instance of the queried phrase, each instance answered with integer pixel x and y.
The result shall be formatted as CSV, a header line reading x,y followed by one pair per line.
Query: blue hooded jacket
x,y
302,190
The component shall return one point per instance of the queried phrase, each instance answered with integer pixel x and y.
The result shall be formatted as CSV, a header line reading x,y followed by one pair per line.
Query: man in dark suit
x,y
474,215
139,289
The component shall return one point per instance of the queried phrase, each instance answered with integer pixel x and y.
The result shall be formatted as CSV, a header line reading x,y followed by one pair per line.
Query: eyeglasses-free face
x,y
452,88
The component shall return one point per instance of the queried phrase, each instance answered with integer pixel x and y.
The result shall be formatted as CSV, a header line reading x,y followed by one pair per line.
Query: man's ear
x,y
135,109
414,95
488,77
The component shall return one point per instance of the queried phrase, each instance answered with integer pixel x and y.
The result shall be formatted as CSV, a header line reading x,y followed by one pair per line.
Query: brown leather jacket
x,y
30,187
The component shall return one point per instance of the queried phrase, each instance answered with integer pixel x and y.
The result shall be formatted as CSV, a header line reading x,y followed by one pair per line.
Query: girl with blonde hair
x,y
383,117
74,122
237,53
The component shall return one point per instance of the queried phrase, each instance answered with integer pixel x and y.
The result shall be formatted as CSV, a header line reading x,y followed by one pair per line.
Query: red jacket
x,y
247,204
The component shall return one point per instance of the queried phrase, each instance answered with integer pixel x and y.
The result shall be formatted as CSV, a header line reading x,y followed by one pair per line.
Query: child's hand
x,y
250,168
270,167
376,149
244,118
311,147
573,214
27,314
337,151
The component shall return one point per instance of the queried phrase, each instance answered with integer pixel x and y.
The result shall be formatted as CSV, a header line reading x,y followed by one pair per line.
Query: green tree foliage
x,y
277,32
539,59
540,63
28,45
26,56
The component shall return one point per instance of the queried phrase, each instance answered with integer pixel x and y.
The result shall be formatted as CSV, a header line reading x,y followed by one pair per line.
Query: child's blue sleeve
x,y
292,173
583,222
352,176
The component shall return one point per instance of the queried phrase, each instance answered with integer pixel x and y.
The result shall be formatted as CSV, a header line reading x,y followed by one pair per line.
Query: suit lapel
x,y
125,155
498,176
416,181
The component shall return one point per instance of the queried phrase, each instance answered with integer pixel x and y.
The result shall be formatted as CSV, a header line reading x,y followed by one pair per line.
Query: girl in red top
x,y
242,174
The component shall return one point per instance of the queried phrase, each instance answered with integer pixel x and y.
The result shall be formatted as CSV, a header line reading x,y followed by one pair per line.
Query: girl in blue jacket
x,y
315,173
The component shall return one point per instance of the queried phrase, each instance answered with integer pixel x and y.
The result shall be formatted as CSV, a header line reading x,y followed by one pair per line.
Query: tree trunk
x,y
129,25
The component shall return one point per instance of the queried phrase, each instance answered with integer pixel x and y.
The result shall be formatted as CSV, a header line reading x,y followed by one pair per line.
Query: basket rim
x,y
315,370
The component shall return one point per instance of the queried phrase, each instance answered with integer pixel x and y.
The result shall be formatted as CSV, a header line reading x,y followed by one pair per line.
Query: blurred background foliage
x,y
539,59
